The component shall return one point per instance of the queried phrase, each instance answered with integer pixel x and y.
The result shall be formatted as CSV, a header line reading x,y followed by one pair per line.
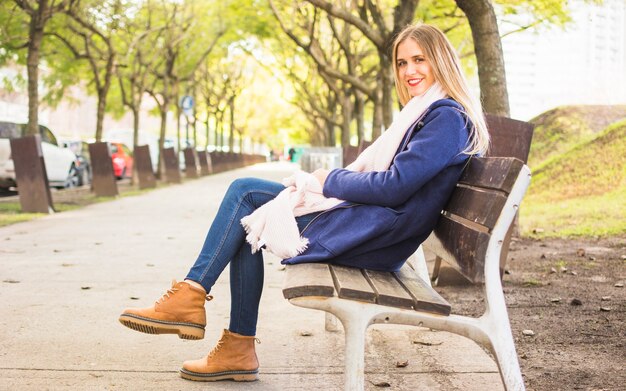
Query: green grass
x,y
10,213
580,192
560,129
603,215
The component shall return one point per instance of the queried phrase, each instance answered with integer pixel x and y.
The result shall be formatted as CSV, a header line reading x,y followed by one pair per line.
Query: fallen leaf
x,y
580,252
552,270
605,309
85,288
573,273
10,281
402,364
306,333
556,300
576,302
528,333
538,230
619,285
150,264
382,384
56,251
134,298
606,298
67,264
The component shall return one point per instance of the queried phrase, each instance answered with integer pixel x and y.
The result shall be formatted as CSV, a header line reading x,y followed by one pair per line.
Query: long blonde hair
x,y
446,68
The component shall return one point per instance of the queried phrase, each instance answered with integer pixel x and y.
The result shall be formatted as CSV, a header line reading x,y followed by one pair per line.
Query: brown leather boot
x,y
179,311
233,358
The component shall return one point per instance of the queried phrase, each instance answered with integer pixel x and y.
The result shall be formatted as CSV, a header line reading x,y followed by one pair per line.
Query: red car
x,y
122,158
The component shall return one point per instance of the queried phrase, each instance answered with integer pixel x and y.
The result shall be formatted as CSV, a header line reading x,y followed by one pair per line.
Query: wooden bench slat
x,y
389,291
308,279
461,246
492,173
480,206
351,284
424,296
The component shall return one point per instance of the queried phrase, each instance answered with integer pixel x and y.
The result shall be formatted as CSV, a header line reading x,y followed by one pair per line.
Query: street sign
x,y
186,103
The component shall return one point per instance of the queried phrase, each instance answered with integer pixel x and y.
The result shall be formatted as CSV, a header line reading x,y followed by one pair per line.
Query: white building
x,y
585,63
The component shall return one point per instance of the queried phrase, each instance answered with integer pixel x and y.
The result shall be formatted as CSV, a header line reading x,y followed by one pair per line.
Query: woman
x,y
373,215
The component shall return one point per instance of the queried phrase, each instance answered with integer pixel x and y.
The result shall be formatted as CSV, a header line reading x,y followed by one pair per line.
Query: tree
x,y
89,36
38,13
184,46
490,60
133,71
373,22
339,62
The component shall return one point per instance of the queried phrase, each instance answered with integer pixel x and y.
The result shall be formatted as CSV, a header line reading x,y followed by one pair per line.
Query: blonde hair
x,y
446,69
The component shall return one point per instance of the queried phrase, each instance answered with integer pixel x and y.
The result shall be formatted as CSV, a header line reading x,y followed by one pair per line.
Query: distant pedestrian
x,y
372,214
292,154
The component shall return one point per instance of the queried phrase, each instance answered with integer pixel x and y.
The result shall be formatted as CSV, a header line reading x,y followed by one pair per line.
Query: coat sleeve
x,y
438,144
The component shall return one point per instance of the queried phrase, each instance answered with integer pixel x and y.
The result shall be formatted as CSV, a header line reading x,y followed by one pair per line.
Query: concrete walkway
x,y
65,278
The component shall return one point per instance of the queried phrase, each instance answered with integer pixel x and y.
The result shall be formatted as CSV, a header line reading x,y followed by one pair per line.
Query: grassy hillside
x,y
560,129
581,191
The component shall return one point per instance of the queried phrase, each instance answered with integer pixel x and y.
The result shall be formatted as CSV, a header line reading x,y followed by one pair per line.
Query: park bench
x,y
468,236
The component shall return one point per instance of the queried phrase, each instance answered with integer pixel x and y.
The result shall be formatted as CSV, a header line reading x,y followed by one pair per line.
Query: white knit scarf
x,y
274,226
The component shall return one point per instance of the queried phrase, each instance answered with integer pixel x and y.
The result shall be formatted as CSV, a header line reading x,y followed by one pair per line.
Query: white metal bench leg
x,y
355,327
496,324
503,349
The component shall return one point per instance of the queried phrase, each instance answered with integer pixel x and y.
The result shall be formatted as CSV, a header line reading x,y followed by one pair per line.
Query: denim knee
x,y
240,186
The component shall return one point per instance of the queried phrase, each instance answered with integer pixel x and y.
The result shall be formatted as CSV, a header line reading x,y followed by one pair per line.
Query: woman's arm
x,y
442,138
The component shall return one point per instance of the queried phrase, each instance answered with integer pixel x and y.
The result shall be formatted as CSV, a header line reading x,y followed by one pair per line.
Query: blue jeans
x,y
225,243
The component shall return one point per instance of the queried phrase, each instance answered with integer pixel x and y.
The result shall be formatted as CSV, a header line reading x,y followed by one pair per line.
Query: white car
x,y
61,163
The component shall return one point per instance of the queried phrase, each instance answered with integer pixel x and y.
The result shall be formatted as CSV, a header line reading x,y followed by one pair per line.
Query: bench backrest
x,y
509,137
464,231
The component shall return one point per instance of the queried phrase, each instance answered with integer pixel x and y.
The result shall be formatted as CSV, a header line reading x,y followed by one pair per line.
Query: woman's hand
x,y
321,174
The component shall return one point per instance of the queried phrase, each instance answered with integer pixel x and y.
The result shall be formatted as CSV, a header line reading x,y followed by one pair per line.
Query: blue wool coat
x,y
388,214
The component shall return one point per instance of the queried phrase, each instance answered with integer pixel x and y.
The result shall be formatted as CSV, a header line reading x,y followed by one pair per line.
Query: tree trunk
x,y
163,114
216,130
489,57
377,119
136,115
359,111
208,131
346,113
388,86
102,101
231,133
37,22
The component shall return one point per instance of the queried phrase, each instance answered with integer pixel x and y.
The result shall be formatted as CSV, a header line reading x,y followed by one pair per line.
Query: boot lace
x,y
220,344
170,291
173,290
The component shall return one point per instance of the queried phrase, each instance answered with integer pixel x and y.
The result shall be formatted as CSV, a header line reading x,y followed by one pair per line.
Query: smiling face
x,y
414,70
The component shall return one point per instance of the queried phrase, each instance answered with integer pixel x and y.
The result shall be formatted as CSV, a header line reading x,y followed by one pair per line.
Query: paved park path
x,y
65,278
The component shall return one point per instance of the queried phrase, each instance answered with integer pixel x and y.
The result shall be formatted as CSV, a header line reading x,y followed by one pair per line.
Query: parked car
x,y
122,158
81,150
61,163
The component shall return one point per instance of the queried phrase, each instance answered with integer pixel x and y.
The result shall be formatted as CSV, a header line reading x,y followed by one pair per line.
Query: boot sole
x,y
151,326
226,375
